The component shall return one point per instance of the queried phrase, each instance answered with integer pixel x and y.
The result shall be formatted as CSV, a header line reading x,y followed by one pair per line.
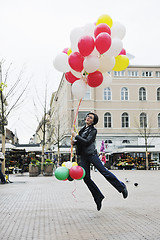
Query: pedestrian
x,y
103,159
3,181
85,145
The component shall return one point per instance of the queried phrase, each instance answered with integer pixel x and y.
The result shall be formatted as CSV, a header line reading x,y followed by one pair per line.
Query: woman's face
x,y
89,119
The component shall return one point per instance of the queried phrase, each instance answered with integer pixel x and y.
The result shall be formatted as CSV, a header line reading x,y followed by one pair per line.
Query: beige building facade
x,y
128,109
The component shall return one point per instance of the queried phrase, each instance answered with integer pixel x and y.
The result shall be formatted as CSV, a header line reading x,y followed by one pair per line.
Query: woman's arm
x,y
90,138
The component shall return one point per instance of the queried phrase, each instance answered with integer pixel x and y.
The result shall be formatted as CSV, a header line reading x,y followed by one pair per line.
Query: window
x,y
124,93
158,94
125,120
108,141
119,73
147,74
125,141
81,118
143,120
107,120
159,120
133,73
87,95
157,73
107,94
142,94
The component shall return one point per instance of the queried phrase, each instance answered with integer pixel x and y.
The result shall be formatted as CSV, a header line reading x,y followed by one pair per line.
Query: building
x,y
128,110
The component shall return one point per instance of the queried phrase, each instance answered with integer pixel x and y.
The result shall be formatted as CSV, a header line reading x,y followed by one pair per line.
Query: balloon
x,y
63,164
68,164
76,74
74,164
69,52
118,30
84,173
106,63
76,172
86,45
107,80
89,29
102,27
103,42
115,48
122,63
65,50
123,52
75,36
79,89
105,19
91,64
70,77
61,173
76,61
95,79
61,62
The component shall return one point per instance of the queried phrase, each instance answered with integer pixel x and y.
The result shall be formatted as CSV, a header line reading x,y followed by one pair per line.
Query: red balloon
x,y
76,61
76,172
70,77
102,27
103,42
95,79
86,45
123,52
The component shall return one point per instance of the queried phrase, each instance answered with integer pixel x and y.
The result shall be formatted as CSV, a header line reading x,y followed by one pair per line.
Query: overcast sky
x,y
33,32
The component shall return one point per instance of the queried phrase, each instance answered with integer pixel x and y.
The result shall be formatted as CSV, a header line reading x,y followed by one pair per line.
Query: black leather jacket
x,y
85,141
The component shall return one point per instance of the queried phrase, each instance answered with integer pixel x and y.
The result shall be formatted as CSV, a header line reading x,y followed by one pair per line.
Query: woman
x,y
85,143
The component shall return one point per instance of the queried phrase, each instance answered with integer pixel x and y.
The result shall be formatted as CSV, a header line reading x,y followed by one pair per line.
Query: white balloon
x,y
76,74
115,48
89,29
68,164
106,63
61,62
75,36
107,80
79,89
91,64
118,30
95,53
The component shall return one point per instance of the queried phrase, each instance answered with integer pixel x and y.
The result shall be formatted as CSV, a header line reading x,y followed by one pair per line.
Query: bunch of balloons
x,y
95,50
70,171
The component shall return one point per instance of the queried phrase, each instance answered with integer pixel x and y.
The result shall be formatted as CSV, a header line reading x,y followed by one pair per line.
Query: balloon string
x,y
74,123
74,191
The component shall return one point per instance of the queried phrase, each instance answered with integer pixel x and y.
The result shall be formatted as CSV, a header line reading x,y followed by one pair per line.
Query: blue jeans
x,y
110,177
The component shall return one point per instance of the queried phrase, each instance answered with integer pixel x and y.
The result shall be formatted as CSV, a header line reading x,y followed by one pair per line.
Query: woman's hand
x,y
74,134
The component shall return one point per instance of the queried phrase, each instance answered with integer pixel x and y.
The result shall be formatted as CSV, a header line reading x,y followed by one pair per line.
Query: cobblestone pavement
x,y
44,208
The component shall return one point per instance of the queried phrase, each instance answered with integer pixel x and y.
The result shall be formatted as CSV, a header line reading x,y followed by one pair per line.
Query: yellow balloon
x,y
105,19
122,63
64,164
69,52
74,164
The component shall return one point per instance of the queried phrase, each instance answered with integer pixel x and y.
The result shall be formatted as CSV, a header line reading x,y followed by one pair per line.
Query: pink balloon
x,y
123,52
65,50
103,42
70,77
102,27
95,79
86,45
76,172
76,61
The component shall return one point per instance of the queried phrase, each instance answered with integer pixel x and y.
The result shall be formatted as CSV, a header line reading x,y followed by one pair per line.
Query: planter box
x,y
48,170
33,170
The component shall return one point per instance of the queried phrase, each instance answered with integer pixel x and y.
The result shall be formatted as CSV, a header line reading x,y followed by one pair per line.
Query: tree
x,y
7,106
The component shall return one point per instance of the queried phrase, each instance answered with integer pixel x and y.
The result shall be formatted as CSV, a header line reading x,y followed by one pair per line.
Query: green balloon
x,y
61,173
84,173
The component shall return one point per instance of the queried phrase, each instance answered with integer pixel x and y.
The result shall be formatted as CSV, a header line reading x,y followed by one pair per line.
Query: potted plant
x,y
48,168
34,168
